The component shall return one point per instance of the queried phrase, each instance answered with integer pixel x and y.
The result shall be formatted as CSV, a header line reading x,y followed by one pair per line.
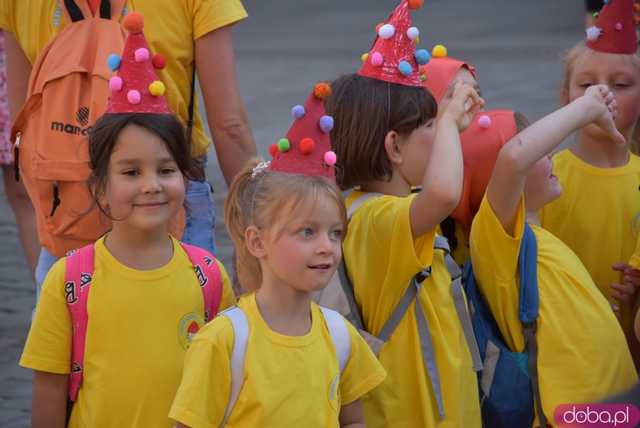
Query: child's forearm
x,y
49,402
542,137
442,182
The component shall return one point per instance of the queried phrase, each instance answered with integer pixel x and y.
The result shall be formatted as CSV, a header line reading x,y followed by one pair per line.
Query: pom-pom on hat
x,y
306,149
393,57
614,30
481,143
136,88
440,72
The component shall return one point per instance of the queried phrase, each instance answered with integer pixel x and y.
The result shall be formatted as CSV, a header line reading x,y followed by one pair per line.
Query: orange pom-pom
x,y
273,150
158,62
415,4
322,90
307,145
133,23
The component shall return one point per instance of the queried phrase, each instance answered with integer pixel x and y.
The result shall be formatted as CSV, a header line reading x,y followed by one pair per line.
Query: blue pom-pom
x,y
326,124
405,68
113,61
297,111
422,56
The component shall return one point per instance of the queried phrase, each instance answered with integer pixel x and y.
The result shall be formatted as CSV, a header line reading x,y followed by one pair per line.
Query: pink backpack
x,y
77,281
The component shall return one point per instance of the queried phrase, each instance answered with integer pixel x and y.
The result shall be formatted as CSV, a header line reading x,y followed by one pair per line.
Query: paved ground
x,y
282,50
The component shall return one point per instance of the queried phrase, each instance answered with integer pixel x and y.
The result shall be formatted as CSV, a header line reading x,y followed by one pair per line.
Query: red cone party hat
x,y
393,57
307,148
614,30
136,88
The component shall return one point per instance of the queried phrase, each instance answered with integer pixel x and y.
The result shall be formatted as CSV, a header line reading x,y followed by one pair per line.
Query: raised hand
x,y
601,104
464,105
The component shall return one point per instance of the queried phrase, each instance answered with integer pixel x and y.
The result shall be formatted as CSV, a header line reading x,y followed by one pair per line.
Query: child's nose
x,y
326,244
151,184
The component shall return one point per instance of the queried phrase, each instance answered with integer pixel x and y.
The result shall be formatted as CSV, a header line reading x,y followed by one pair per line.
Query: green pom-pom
x,y
283,145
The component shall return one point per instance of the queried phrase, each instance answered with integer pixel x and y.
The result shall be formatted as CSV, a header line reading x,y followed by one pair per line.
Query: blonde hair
x,y
265,198
568,62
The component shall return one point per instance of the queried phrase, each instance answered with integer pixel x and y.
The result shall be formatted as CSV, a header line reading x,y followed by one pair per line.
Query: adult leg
x,y
24,214
200,214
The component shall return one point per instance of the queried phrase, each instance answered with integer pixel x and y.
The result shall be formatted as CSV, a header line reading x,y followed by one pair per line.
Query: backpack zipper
x,y
16,157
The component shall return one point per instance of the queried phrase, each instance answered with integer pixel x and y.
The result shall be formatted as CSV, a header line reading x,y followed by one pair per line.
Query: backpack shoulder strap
x,y
528,267
359,201
240,337
77,281
209,277
459,301
339,333
528,307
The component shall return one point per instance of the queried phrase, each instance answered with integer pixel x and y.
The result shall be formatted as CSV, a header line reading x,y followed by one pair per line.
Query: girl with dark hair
x,y
125,321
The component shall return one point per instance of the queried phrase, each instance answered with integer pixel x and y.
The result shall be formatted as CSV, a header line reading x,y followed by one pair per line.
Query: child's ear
x,y
392,147
254,241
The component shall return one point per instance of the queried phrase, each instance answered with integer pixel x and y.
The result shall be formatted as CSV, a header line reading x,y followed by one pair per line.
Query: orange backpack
x,y
68,91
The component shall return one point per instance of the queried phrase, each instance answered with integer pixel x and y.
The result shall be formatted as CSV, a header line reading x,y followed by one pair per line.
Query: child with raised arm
x,y
582,353
115,318
278,359
388,140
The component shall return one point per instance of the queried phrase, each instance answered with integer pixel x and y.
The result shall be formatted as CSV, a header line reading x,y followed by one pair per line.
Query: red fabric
x,y
439,72
480,148
395,49
617,29
138,76
94,5
293,161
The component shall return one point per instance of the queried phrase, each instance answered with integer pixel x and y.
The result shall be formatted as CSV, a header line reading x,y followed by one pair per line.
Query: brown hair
x,y
103,138
568,62
262,199
365,110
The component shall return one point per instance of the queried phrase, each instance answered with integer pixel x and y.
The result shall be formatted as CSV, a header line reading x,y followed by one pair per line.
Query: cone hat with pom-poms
x,y
393,57
306,149
136,88
614,30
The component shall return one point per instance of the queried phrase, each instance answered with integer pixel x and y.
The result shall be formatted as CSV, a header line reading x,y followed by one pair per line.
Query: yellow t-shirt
x,y
137,336
582,352
289,381
170,27
595,217
381,257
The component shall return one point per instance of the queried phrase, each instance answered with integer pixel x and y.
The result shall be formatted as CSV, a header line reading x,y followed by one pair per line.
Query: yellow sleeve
x,y
228,296
202,397
494,256
634,261
363,371
48,346
209,15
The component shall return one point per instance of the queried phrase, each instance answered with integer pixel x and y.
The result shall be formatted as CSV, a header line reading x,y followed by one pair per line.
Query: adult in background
x,y
191,33
15,191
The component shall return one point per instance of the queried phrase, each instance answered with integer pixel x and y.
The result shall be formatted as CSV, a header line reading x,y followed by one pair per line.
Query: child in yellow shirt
x,y
388,140
574,364
275,360
142,300
595,214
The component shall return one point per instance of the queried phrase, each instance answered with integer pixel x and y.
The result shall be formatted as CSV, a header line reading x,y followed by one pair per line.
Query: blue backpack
x,y
508,383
